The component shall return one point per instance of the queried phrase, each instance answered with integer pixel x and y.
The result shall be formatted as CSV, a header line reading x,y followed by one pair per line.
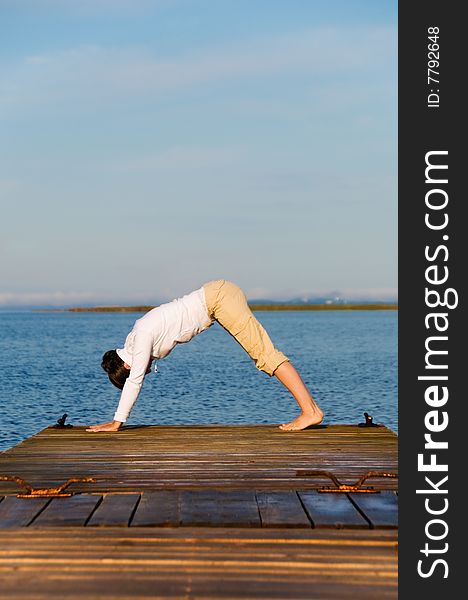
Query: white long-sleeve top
x,y
154,336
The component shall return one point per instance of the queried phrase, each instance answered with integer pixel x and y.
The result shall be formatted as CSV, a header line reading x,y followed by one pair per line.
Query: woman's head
x,y
115,368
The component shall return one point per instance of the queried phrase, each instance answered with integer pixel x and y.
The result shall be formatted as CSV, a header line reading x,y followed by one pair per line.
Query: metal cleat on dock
x,y
55,492
343,488
61,422
368,422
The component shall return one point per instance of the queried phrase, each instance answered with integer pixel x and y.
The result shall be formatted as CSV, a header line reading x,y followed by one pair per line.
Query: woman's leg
x,y
228,305
311,413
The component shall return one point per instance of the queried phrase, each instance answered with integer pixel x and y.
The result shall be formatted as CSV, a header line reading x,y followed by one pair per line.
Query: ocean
x,y
51,366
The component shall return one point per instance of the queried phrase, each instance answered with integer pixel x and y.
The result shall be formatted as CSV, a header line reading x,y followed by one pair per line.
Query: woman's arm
x,y
142,349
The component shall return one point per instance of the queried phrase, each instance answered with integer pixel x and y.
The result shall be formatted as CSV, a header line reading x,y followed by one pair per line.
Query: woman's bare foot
x,y
302,421
111,426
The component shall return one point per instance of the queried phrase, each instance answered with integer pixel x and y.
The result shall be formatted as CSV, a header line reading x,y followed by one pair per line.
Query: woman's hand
x,y
112,426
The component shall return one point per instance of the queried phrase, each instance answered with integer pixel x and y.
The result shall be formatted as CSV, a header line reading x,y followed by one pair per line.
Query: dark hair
x,y
113,365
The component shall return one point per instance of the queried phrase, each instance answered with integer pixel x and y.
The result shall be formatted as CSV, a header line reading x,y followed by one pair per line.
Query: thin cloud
x,y
44,298
94,73
8,185
63,299
377,294
86,7
370,294
184,158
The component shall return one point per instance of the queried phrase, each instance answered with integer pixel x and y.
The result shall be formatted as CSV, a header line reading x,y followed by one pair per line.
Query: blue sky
x,y
149,146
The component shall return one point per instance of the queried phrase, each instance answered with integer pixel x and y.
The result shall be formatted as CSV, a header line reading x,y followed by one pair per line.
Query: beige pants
x,y
227,303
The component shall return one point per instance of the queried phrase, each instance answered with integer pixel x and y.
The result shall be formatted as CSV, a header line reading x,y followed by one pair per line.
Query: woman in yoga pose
x,y
162,328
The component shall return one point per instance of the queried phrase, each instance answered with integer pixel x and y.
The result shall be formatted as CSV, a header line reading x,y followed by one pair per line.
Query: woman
x,y
162,328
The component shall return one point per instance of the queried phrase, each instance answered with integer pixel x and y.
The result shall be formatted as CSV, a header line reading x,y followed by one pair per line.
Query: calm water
x,y
51,365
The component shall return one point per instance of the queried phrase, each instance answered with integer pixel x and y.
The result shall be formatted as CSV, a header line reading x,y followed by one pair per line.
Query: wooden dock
x,y
201,512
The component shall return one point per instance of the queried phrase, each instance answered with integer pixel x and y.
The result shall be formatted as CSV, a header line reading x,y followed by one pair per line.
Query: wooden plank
x,y
332,510
115,510
381,509
75,511
216,508
158,508
281,509
367,538
19,512
77,563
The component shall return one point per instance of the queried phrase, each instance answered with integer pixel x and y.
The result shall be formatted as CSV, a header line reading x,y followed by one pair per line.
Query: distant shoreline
x,y
253,307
